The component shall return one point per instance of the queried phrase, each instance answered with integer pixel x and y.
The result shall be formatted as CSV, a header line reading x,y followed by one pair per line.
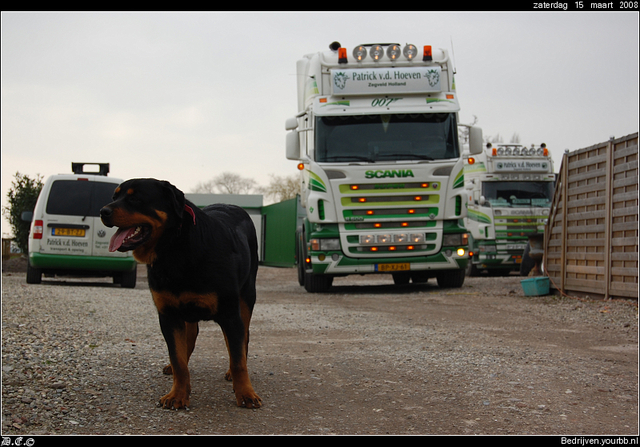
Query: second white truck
x,y
510,191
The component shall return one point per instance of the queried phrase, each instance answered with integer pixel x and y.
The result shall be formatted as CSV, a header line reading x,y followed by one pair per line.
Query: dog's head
x,y
143,210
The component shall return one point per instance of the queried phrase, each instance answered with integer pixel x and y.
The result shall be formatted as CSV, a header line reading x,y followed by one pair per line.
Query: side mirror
x,y
293,145
291,124
475,140
27,216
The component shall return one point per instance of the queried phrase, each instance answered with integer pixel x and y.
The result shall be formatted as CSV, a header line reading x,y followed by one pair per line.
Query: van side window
x,y
79,198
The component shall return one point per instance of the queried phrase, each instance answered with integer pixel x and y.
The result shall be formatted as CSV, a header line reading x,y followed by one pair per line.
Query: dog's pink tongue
x,y
118,238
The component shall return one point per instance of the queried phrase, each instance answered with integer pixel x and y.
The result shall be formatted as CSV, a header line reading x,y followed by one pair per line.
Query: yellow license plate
x,y
393,267
74,232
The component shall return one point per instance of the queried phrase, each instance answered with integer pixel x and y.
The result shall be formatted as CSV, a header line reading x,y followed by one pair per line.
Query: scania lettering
x,y
510,191
376,137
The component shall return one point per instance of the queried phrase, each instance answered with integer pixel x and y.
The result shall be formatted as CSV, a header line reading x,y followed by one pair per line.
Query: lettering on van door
x,y
66,245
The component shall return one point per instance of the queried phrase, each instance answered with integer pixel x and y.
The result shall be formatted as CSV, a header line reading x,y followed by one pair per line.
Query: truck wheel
x,y
301,265
472,270
450,278
34,275
128,279
317,283
527,263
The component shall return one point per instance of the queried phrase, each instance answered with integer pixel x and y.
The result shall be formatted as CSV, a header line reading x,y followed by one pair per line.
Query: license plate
x,y
73,232
393,267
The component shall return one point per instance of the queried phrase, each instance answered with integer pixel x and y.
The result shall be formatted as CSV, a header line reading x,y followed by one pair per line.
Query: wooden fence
x,y
591,239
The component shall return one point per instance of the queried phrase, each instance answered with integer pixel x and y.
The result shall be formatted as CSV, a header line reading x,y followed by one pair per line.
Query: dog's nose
x,y
105,215
106,212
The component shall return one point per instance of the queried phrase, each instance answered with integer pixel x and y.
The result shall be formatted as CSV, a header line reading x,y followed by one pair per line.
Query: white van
x,y
67,236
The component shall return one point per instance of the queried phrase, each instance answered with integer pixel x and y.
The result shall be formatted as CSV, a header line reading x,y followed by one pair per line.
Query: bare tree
x,y
227,183
282,188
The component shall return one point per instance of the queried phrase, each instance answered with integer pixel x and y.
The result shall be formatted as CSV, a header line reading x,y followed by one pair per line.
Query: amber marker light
x,y
426,55
355,187
424,185
300,166
369,212
411,211
362,200
342,56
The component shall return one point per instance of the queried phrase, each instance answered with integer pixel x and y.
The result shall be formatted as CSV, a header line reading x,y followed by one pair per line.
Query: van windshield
x,y
79,198
383,138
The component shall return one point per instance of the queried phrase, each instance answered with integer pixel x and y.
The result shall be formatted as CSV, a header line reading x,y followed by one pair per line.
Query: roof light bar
x,y
377,52
518,150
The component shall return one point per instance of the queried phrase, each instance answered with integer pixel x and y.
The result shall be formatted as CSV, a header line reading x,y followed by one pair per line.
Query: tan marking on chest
x,y
163,300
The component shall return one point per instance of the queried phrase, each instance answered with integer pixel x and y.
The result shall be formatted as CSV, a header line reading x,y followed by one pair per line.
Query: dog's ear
x,y
175,197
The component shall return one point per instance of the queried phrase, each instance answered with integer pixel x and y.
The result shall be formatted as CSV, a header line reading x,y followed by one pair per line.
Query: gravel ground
x,y
85,357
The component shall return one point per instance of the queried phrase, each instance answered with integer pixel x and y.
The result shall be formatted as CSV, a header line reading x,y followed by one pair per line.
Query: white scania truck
x,y
510,192
376,136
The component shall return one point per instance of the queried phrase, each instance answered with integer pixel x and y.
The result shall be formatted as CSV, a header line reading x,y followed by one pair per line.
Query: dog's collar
x,y
189,210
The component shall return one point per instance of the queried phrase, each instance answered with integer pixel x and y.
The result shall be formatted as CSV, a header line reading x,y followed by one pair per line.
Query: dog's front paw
x,y
175,401
248,399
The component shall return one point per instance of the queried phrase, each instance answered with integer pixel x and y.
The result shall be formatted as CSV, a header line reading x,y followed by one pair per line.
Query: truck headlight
x,y
455,239
325,244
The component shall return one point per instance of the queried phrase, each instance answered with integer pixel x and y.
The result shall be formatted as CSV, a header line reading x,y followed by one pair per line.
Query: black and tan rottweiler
x,y
202,265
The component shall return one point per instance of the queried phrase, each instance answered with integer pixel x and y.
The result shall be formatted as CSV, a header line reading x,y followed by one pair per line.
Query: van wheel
x,y
128,279
34,275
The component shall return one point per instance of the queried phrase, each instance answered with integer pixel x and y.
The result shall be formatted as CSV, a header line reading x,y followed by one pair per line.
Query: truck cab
x,y
376,138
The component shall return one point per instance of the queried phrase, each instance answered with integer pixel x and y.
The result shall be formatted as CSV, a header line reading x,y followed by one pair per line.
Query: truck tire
x,y
472,270
527,263
128,279
450,278
34,275
317,283
301,260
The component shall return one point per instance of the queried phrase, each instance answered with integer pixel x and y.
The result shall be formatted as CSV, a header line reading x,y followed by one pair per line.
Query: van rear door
x,y
102,195
71,224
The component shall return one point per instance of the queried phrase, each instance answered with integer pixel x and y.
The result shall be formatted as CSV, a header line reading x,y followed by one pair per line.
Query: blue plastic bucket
x,y
535,286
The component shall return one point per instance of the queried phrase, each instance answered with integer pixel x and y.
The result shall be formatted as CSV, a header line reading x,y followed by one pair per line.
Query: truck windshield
x,y
380,138
518,194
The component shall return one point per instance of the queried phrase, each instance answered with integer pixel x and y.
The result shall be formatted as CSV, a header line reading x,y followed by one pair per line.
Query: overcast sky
x,y
186,96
